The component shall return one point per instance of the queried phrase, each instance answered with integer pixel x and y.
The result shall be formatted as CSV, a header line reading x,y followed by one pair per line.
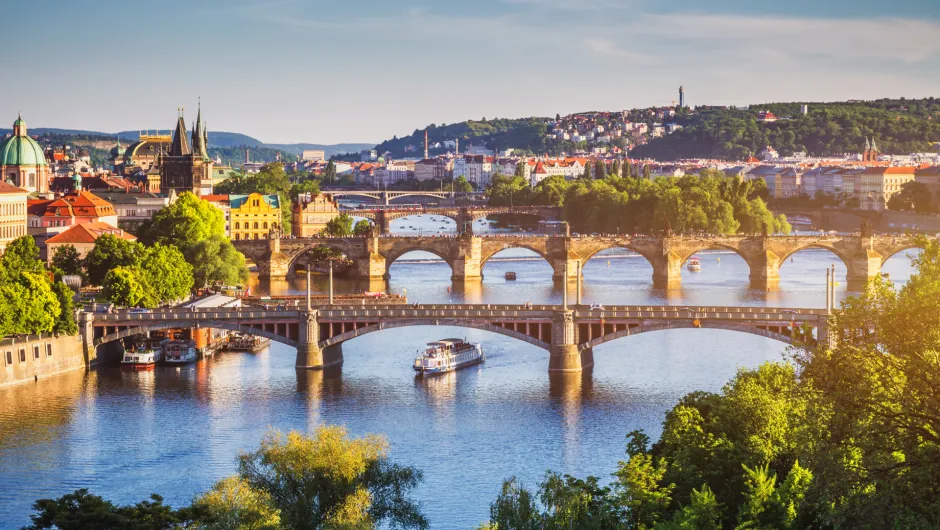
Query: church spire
x,y
199,136
180,145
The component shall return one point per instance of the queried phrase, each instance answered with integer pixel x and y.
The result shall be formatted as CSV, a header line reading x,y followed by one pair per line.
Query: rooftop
x,y
89,233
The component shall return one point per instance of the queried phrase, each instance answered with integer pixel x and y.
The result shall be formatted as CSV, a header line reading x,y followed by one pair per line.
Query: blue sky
x,y
363,70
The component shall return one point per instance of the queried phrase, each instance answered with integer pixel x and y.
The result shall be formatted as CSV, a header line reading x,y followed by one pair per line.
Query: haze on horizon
x,y
288,71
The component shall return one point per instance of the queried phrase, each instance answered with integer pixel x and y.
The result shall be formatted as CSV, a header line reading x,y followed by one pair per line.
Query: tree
x,y
310,186
81,510
233,504
123,288
339,226
362,229
600,170
65,322
42,309
461,185
21,255
329,174
515,508
331,481
184,223
165,275
109,253
913,197
67,260
216,260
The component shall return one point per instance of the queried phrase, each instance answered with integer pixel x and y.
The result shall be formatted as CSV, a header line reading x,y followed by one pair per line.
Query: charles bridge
x,y
567,333
463,216
385,196
372,257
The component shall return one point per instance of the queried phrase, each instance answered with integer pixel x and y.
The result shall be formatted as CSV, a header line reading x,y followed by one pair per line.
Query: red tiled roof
x,y
89,233
6,187
215,198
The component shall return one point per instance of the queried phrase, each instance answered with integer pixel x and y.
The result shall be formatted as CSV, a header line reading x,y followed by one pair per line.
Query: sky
x,y
289,71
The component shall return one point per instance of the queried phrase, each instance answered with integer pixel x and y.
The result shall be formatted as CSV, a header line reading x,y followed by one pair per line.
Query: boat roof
x,y
444,342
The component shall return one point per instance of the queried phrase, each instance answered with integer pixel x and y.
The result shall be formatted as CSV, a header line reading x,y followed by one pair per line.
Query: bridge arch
x,y
459,323
686,324
394,255
894,251
509,245
174,324
818,245
296,258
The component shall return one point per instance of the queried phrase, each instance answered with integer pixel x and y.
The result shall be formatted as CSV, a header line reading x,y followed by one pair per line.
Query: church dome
x,y
20,149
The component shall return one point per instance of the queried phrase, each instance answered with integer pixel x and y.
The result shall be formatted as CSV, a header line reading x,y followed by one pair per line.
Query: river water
x,y
175,431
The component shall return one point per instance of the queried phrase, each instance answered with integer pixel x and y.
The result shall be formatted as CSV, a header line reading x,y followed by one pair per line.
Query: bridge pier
x,y
565,356
383,225
863,267
86,329
468,264
309,354
667,271
765,271
566,269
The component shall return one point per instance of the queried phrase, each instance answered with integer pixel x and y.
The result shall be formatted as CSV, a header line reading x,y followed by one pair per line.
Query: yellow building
x,y
254,216
12,213
311,213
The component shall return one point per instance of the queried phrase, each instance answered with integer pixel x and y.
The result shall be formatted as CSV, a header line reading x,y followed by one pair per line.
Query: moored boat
x,y
144,358
180,352
694,264
447,355
247,343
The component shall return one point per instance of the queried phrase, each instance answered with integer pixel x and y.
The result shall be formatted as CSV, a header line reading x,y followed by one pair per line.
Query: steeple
x,y
867,145
180,145
200,136
874,147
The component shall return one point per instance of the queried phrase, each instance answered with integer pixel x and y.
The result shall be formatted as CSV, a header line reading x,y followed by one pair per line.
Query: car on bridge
x,y
137,310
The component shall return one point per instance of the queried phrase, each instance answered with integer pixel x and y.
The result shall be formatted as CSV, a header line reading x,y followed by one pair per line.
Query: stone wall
x,y
29,358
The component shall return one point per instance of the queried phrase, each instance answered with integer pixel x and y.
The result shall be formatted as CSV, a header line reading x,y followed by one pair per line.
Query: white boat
x,y
447,355
694,264
144,358
180,352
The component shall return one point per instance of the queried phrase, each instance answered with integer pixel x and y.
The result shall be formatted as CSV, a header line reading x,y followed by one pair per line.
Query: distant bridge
x,y
463,216
385,197
373,257
569,334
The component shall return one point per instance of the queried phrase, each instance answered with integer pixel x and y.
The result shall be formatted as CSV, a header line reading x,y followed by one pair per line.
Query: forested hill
x,y
526,133
898,126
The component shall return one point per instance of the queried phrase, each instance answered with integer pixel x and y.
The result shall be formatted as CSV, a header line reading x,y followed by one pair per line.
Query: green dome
x,y
19,122
21,151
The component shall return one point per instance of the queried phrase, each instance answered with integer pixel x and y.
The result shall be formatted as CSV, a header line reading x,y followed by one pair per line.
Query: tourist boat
x,y
694,264
447,355
247,343
510,275
142,358
180,352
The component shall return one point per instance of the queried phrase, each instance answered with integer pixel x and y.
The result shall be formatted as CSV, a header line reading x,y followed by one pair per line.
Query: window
x,y
36,351
265,225
9,357
22,355
32,180
256,225
49,350
237,226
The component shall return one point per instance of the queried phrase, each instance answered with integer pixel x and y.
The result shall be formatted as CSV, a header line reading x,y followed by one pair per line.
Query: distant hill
x,y
228,145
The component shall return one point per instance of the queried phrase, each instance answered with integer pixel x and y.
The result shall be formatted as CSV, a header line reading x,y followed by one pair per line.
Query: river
x,y
175,431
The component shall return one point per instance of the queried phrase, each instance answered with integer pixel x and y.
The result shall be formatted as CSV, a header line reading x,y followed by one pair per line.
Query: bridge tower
x,y
565,355
309,354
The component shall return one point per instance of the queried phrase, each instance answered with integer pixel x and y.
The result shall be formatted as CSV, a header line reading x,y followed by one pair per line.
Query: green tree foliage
x,y
339,226
109,253
67,260
65,322
165,274
218,262
233,504
331,481
123,287
184,223
363,228
710,202
81,510
899,127
30,303
462,185
329,174
913,197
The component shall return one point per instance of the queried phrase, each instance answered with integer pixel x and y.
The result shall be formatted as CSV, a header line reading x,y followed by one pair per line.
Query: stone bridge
x,y
463,216
863,256
568,334
385,197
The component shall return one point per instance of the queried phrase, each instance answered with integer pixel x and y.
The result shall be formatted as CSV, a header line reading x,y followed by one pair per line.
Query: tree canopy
x,y
31,302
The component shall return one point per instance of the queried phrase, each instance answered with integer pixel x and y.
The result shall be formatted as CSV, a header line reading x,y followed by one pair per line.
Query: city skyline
x,y
293,71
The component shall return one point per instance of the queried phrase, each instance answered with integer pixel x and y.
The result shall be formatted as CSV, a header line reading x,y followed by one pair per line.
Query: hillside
x,y
898,126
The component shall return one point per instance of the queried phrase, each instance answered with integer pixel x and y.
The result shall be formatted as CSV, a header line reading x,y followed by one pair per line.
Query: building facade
x,y
312,213
187,166
254,216
12,213
84,237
